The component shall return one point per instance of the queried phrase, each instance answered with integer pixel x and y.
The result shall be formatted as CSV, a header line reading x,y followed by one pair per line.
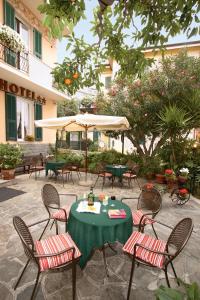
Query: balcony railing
x,y
19,60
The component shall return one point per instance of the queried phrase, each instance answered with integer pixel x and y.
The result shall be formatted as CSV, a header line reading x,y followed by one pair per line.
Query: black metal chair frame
x,y
53,198
154,205
101,173
36,166
66,173
133,170
174,239
28,245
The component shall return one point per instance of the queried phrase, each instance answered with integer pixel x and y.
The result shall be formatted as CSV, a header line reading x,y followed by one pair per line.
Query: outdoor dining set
x,y
96,225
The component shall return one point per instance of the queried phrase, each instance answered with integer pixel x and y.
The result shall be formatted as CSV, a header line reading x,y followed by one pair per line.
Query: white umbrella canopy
x,y
85,122
82,121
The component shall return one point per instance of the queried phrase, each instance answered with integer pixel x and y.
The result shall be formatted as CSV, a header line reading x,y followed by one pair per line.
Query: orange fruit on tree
x,y
68,81
75,76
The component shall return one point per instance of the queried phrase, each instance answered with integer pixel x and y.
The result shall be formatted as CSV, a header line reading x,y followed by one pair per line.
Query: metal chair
x,y
132,173
51,200
54,253
102,173
75,167
65,172
155,253
36,165
148,206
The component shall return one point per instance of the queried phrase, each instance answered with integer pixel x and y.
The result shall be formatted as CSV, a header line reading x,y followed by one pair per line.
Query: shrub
x,y
10,156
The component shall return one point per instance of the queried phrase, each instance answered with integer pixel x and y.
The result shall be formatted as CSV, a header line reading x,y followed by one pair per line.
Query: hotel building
x,y
26,83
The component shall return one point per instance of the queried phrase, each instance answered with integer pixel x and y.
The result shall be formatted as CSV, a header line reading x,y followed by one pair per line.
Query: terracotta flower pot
x,y
8,174
160,178
171,184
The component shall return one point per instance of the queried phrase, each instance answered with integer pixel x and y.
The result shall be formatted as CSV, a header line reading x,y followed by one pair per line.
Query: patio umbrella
x,y
85,122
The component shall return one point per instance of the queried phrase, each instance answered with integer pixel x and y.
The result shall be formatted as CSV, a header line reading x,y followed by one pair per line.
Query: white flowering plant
x,y
11,39
184,172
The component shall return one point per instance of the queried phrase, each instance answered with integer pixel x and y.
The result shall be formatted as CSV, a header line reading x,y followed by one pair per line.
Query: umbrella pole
x,y
86,152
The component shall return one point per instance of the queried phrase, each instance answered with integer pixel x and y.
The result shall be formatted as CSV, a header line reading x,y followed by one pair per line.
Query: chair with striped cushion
x,y
148,206
54,253
51,200
156,253
131,174
102,173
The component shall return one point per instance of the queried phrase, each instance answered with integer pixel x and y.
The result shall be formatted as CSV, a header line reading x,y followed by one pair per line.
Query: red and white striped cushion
x,y
60,214
55,244
106,174
143,254
129,175
137,215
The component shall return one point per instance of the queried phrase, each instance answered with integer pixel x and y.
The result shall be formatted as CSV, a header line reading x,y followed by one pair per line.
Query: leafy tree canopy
x,y
162,105
115,23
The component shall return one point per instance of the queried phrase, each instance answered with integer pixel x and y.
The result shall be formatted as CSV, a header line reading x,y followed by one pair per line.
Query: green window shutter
x,y
11,117
9,15
37,42
38,116
95,136
9,19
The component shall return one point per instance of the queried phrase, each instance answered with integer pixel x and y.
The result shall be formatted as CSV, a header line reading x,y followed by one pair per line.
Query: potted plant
x,y
183,175
10,157
170,178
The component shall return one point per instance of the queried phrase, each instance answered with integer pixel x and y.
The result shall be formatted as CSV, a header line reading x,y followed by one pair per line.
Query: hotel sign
x,y
20,91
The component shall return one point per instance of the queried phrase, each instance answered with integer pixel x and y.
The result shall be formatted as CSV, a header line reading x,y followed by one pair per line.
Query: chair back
x,y
100,168
50,196
180,236
150,199
25,237
133,167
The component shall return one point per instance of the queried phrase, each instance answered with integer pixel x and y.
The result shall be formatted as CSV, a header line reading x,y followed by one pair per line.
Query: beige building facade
x,y
26,83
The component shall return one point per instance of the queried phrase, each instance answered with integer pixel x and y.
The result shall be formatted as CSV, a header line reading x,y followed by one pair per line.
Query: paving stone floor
x,y
92,283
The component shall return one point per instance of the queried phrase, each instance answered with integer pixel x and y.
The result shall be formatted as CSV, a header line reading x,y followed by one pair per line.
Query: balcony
x,y
18,60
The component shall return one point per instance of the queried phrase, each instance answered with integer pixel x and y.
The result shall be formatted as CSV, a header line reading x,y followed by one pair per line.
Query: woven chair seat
x,y
106,174
53,245
137,215
60,214
145,240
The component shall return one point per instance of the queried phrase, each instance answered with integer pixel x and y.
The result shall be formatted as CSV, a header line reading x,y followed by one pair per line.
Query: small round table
x,y
117,170
53,165
90,231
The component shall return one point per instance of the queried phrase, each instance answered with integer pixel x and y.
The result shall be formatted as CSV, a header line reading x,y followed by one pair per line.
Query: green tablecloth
x,y
53,165
90,231
116,170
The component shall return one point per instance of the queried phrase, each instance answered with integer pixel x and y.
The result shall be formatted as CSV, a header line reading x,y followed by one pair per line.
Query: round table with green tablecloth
x,y
117,170
53,165
90,231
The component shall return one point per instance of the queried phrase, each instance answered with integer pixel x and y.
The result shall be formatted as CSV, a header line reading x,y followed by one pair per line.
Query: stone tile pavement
x,y
92,283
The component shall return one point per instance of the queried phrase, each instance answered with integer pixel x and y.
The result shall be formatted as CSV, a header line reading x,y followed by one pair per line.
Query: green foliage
x,y
107,157
10,156
111,19
192,292
70,157
163,105
67,108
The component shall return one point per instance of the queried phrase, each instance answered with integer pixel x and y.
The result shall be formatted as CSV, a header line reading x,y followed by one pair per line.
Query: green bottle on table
x,y
91,197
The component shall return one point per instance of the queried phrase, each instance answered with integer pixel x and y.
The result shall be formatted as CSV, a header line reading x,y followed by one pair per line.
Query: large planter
x,y
8,174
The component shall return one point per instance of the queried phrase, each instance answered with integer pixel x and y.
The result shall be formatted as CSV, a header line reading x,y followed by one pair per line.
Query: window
x,y
107,82
22,29
37,43
24,118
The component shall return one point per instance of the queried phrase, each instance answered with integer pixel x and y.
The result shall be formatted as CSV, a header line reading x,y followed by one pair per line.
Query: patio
x,y
92,283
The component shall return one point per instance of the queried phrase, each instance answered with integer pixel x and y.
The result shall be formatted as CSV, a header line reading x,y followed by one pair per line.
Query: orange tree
x,y
116,30
163,105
